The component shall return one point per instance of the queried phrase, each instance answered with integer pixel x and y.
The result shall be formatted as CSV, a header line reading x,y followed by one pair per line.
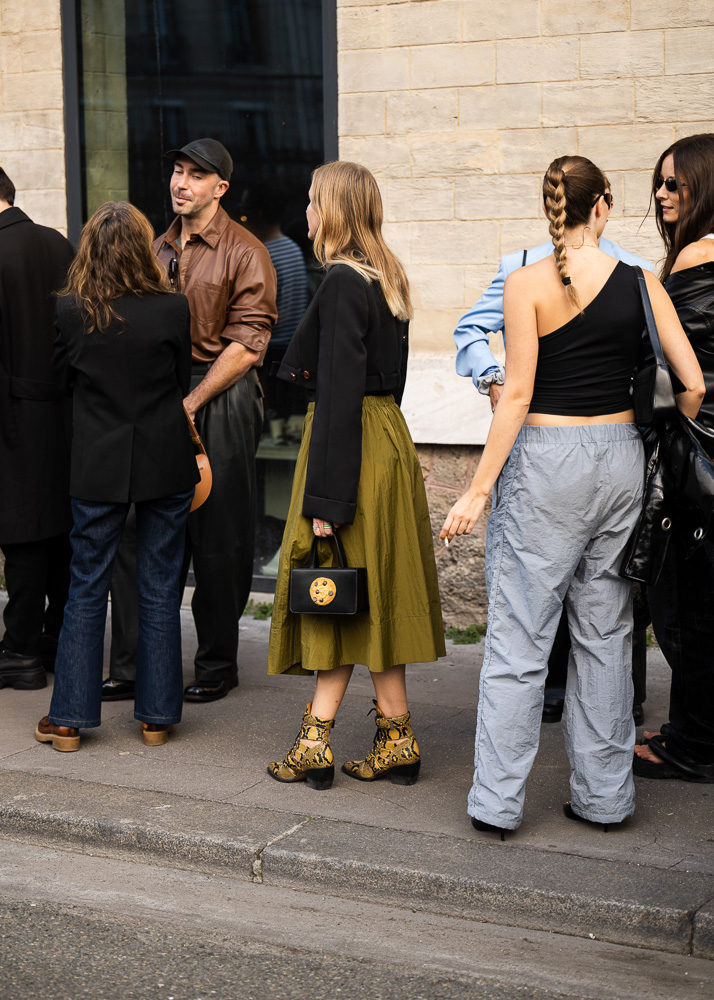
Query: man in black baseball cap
x,y
207,153
229,280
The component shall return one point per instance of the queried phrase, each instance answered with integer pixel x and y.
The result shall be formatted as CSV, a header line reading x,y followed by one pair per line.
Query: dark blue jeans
x,y
95,537
682,606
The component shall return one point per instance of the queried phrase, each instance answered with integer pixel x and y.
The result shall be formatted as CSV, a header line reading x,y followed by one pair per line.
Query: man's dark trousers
x,y
35,571
220,539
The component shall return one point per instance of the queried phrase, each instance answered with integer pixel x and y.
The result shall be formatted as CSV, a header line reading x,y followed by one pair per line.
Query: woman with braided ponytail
x,y
566,465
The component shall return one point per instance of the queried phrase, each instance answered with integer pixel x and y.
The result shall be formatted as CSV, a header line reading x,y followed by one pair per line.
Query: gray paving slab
x,y
188,832
613,901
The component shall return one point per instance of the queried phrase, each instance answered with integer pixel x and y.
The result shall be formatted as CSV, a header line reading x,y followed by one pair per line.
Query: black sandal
x,y
676,764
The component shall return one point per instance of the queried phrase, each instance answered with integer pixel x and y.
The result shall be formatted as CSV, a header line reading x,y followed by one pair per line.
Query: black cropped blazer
x,y
348,345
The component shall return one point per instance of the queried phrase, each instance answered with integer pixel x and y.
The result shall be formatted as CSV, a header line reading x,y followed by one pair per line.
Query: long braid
x,y
555,204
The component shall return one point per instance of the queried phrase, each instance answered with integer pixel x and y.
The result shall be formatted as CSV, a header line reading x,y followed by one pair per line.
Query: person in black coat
x,y
34,449
123,345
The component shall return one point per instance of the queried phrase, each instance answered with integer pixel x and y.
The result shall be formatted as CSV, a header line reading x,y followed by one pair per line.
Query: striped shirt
x,y
291,272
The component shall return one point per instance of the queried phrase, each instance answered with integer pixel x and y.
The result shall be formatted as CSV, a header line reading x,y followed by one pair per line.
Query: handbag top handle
x,y
341,557
649,317
195,437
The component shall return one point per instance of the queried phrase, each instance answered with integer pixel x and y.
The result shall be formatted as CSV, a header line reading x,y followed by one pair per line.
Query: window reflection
x,y
156,73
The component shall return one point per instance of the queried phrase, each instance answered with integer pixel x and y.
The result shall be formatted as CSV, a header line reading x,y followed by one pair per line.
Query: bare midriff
x,y
559,420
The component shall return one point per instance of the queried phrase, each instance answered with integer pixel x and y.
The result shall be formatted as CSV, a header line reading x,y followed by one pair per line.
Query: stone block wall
x,y
458,107
447,472
31,119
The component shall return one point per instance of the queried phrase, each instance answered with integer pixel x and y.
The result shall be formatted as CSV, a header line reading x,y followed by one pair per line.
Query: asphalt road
x,y
75,926
50,953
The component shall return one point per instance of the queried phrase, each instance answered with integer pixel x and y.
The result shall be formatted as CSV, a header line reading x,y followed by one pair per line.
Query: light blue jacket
x,y
474,358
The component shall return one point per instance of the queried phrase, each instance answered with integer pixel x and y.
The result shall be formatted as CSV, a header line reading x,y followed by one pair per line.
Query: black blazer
x,y
347,345
130,438
34,443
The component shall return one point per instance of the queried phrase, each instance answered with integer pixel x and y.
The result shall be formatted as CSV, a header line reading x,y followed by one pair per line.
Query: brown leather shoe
x,y
61,737
155,734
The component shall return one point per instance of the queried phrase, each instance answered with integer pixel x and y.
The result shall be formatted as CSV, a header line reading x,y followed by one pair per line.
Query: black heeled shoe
x,y
571,814
478,824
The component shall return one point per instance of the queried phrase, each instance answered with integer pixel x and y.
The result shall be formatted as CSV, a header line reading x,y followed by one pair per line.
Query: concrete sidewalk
x,y
205,802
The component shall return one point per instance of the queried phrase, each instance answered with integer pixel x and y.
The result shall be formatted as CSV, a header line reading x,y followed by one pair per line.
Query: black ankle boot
x,y
478,824
571,814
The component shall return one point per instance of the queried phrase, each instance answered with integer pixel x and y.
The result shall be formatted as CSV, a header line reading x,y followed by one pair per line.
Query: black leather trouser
x,y
558,662
220,539
682,607
35,571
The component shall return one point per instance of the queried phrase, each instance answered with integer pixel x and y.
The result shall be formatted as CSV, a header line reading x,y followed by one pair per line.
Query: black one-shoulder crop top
x,y
585,367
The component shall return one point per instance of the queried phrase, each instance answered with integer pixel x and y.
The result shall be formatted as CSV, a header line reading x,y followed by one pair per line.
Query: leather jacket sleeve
x,y
335,457
692,293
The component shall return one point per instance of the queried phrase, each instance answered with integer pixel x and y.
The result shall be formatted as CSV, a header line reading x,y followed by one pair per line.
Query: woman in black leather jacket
x,y
682,602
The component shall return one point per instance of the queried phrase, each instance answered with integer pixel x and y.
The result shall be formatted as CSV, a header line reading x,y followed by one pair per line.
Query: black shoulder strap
x,y
649,316
523,262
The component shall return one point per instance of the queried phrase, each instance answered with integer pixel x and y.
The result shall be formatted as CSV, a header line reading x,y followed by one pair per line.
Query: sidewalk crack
x,y
257,866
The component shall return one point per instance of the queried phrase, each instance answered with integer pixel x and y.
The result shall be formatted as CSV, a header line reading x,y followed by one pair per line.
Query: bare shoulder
x,y
654,287
696,253
529,277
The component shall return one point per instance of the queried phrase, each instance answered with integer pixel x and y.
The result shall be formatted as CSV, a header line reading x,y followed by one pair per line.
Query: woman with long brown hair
x,y
567,463
123,348
682,602
357,473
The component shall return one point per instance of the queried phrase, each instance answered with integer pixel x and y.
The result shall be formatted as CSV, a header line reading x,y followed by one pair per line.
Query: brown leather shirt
x,y
229,280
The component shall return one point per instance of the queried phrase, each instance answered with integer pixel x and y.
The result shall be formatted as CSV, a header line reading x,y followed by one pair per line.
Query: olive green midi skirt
x,y
391,536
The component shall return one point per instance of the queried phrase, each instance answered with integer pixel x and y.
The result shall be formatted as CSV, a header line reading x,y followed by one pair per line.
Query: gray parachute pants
x,y
564,506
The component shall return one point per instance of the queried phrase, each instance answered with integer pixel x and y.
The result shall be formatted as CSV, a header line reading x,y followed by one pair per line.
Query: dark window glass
x,y
154,74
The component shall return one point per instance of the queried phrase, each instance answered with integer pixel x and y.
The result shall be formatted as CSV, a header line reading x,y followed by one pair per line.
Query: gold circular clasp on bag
x,y
323,591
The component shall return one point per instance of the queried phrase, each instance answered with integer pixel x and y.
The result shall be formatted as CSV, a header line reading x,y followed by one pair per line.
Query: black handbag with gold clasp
x,y
328,590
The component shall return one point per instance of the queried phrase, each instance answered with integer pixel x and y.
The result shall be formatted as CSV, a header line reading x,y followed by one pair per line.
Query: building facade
x,y
456,106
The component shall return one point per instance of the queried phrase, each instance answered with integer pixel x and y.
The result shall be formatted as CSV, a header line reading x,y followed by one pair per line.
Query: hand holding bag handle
x,y
203,487
653,391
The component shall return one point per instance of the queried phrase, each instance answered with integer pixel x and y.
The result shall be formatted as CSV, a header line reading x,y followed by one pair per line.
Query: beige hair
x,y
348,204
570,186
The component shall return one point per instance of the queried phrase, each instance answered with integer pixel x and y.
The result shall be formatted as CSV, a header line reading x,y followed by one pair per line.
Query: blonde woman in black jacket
x,y
357,473
123,346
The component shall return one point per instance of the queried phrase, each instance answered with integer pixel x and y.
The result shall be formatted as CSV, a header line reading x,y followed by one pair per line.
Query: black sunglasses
x,y
609,200
670,183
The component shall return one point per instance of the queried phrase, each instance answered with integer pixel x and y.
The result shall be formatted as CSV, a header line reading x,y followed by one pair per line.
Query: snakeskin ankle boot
x,y
388,756
314,765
